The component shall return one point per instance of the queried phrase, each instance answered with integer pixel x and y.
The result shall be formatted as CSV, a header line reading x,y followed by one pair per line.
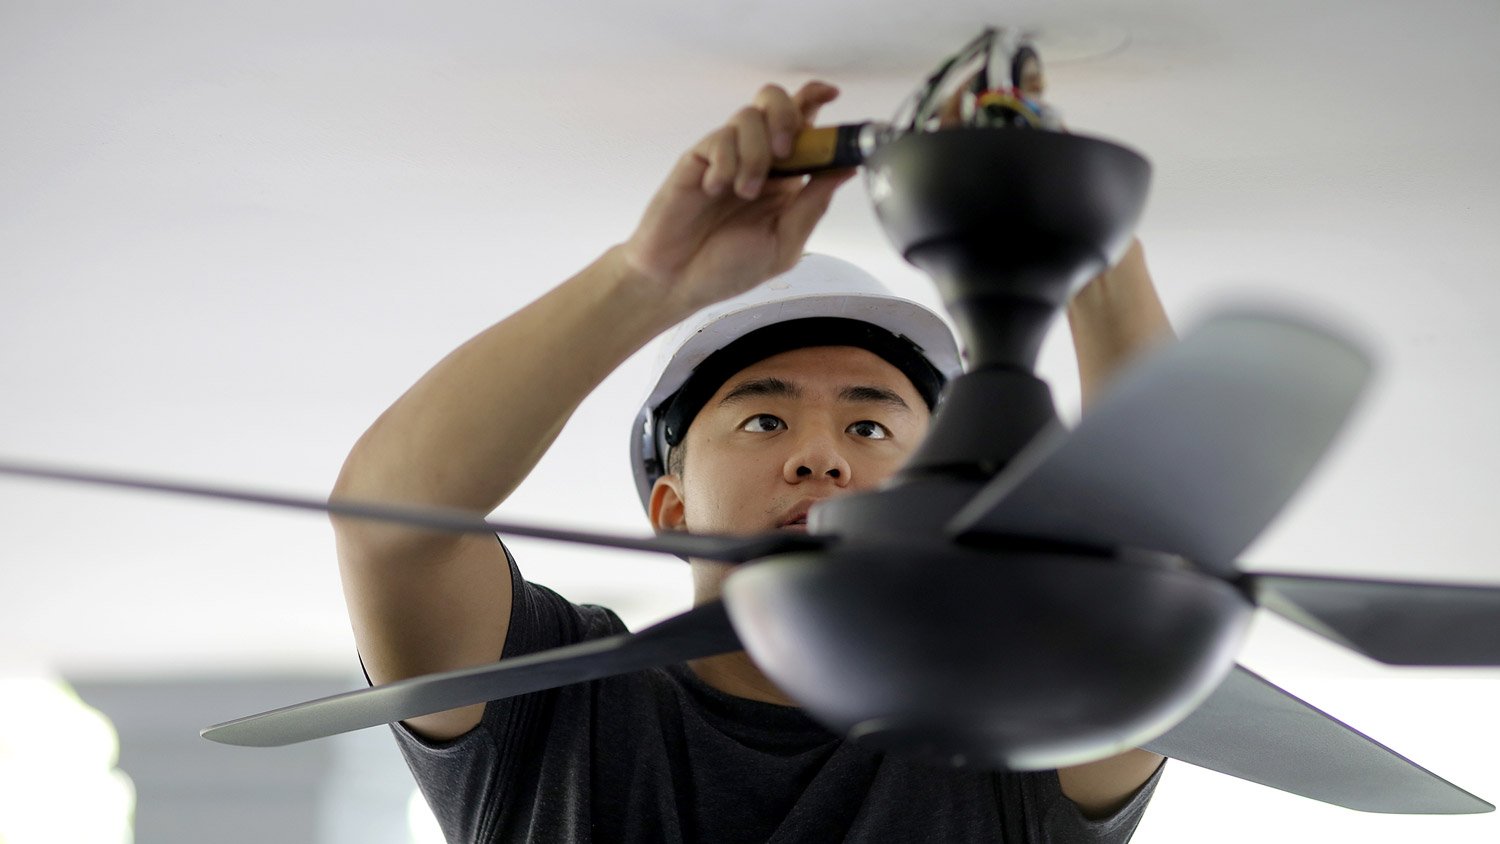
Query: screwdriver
x,y
832,148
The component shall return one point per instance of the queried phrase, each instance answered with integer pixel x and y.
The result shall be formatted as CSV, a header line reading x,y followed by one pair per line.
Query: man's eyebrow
x,y
762,388
877,395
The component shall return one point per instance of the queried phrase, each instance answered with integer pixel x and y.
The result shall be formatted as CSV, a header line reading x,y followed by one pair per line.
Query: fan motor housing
x,y
1021,660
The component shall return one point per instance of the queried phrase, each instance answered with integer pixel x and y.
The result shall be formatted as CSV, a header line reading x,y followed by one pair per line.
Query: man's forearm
x,y
474,426
1114,319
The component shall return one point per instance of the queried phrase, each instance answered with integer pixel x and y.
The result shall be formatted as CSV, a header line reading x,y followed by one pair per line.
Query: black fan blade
x,y
732,549
1192,452
1249,728
1393,622
699,632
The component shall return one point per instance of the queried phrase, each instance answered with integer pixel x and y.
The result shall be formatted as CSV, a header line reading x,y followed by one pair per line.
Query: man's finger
x,y
783,118
752,151
720,150
811,97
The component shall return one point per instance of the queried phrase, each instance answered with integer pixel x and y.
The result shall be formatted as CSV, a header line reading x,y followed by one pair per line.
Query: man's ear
x,y
667,510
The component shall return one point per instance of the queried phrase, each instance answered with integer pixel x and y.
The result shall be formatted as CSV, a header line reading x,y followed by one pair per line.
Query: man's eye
x,y
762,423
869,430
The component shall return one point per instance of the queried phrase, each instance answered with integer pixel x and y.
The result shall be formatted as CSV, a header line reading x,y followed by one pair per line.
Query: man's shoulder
x,y
541,618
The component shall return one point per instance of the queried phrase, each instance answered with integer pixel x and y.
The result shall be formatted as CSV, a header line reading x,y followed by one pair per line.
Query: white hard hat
x,y
838,294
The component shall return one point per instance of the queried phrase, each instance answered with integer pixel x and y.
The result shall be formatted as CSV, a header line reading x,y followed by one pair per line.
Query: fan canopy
x,y
1008,222
1023,660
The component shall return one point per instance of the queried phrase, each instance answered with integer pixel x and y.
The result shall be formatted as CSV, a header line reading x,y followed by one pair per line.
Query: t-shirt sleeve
x,y
1059,821
471,780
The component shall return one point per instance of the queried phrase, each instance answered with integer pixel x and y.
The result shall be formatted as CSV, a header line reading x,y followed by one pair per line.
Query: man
x,y
713,751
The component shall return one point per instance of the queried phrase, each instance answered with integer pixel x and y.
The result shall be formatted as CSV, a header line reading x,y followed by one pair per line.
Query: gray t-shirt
x,y
661,756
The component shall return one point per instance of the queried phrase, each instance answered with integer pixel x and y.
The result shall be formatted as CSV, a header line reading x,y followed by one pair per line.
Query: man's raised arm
x,y
1114,319
471,429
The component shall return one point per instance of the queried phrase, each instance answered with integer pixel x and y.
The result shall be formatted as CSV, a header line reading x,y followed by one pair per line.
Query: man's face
x,y
786,432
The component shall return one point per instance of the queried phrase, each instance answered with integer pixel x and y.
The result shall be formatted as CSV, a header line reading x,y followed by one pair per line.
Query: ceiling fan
x,y
1020,595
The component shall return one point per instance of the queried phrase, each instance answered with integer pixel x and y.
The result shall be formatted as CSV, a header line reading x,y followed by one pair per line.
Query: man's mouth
x,y
796,516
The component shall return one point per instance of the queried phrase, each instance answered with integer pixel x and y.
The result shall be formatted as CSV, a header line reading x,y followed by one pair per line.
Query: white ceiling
x,y
231,233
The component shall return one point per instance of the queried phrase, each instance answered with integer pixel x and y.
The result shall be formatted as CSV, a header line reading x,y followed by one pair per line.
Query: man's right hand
x,y
719,226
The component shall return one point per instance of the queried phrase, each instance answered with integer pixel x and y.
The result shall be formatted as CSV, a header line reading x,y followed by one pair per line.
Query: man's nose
x,y
817,457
